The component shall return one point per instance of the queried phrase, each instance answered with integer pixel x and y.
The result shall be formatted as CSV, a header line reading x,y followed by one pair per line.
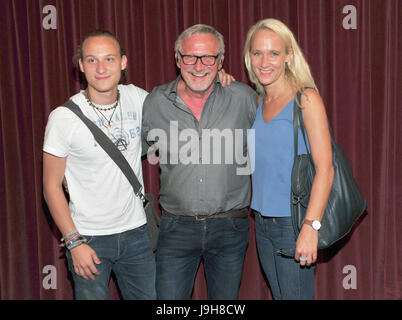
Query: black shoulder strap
x,y
298,120
109,147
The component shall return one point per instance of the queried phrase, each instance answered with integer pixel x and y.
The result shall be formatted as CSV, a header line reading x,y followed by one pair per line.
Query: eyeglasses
x,y
206,60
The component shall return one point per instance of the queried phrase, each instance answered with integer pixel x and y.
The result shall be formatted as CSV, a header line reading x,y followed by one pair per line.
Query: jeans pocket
x,y
283,222
89,239
167,223
240,224
286,252
283,237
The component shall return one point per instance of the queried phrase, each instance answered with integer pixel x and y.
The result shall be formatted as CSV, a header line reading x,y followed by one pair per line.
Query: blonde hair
x,y
297,70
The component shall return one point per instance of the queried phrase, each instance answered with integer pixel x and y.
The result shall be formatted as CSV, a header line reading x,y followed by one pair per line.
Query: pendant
x,y
121,144
109,125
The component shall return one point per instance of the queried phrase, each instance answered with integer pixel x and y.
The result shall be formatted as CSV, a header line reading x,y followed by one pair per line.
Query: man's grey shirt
x,y
201,162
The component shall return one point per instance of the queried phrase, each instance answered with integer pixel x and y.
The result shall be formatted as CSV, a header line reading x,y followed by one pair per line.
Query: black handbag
x,y
345,203
103,140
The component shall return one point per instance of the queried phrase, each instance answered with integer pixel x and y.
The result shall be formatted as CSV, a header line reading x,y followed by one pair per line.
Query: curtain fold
x,y
357,71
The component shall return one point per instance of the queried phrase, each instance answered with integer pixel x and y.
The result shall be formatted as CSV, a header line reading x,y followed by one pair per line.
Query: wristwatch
x,y
315,224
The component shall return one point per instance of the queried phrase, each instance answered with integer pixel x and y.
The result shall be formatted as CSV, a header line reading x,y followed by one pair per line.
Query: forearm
x,y
58,206
320,191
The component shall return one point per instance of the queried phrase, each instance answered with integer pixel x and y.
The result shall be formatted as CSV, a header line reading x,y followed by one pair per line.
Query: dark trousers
x,y
184,241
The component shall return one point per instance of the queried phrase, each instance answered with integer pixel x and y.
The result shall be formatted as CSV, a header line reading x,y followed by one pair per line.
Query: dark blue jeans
x,y
184,241
287,279
129,256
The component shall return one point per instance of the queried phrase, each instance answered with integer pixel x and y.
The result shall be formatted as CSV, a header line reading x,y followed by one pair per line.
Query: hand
x,y
84,260
225,78
306,246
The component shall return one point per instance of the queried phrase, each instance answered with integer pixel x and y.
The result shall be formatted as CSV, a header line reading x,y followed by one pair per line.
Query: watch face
x,y
316,225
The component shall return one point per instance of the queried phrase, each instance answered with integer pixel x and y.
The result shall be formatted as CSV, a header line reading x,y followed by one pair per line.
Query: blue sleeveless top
x,y
271,154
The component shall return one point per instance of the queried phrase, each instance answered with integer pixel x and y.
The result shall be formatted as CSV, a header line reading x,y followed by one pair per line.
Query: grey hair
x,y
197,29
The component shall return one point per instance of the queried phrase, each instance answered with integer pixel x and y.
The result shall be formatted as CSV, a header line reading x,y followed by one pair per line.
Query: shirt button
x,y
201,180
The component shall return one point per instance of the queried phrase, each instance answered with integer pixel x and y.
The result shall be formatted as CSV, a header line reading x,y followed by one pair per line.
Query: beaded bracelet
x,y
68,235
72,239
75,242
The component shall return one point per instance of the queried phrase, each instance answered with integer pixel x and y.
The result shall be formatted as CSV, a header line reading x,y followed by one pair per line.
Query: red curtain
x,y
353,47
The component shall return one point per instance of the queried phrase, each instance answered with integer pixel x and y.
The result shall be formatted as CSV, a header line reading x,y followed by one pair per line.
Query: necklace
x,y
110,124
120,143
102,109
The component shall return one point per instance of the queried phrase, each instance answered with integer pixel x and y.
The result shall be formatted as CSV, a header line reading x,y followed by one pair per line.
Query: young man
x,y
204,199
103,226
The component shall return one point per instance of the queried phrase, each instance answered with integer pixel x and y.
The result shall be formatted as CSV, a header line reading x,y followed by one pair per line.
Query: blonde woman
x,y
278,69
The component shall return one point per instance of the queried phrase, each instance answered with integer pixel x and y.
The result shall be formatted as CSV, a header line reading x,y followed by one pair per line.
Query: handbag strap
x,y
298,120
110,148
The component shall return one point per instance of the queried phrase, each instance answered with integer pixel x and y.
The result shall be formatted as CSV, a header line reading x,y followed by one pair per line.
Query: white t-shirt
x,y
102,201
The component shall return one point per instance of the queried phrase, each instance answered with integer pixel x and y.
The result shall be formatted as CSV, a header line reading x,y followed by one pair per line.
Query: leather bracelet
x,y
75,242
69,235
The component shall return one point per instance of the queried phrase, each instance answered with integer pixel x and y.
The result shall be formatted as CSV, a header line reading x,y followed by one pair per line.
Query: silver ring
x,y
302,259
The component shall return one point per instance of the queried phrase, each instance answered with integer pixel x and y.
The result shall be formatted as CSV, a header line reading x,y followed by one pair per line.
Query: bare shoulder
x,y
311,99
314,113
